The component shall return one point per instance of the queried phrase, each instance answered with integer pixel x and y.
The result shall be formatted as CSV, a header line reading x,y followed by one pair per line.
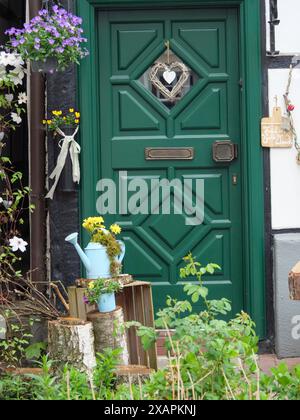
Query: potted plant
x,y
52,40
62,121
65,125
102,293
104,254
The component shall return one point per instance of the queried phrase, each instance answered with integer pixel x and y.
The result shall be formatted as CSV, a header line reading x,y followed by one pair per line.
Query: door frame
x,y
251,111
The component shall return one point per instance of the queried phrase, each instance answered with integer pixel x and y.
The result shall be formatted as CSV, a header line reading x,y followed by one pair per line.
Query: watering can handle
x,y
123,250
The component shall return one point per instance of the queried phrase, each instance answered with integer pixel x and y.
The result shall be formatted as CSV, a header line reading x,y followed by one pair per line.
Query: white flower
x,y
7,204
11,59
18,244
9,97
4,59
1,200
22,98
2,135
16,118
17,75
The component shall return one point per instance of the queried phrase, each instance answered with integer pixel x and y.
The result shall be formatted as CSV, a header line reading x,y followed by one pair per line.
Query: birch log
x,y
71,341
294,282
110,332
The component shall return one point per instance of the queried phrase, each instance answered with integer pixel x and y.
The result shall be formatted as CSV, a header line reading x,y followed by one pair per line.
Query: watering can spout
x,y
73,239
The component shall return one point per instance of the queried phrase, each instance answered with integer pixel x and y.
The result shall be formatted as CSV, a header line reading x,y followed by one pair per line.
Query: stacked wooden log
x,y
110,333
71,341
76,340
294,282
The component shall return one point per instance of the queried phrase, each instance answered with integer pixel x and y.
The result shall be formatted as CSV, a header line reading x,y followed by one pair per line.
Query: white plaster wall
x,y
285,173
288,31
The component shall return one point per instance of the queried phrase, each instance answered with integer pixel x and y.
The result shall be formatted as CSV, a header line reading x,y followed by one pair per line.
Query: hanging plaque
x,y
276,131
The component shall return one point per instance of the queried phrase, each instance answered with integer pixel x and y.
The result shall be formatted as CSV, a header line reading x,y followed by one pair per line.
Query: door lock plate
x,y
224,151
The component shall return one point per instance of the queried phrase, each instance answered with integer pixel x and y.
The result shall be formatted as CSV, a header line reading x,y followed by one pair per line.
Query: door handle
x,y
225,151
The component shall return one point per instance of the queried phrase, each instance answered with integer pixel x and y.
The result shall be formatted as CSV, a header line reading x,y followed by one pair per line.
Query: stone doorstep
x,y
269,361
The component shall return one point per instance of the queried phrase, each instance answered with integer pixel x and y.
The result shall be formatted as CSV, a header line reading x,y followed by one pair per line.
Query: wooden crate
x,y
136,301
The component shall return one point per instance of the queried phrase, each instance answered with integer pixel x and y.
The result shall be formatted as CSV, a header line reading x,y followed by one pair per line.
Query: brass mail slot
x,y
170,153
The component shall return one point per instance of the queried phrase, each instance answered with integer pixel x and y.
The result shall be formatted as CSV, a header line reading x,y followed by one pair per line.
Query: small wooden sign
x,y
294,282
273,133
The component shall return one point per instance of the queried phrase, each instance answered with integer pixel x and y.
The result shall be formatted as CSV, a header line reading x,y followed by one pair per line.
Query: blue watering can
x,y
95,258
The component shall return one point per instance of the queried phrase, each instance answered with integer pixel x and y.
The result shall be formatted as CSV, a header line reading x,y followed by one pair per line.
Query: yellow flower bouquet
x,y
106,237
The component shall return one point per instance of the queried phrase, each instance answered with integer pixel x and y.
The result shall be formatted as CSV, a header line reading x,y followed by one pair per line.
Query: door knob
x,y
225,151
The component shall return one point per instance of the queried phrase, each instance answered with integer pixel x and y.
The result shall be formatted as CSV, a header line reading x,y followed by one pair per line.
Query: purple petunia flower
x,y
11,31
15,43
43,12
28,28
59,27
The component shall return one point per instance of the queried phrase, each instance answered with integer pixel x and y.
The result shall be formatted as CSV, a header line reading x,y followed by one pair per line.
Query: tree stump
x,y
110,332
71,341
294,282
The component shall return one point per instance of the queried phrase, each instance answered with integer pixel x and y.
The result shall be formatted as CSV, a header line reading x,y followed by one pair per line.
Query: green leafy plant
x,y
101,287
13,349
208,357
35,351
171,383
105,372
13,207
13,195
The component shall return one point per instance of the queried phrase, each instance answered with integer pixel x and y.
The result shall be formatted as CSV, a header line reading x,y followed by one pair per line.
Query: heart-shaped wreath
x,y
169,74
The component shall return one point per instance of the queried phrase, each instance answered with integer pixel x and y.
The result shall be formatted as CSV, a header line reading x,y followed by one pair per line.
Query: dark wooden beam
x,y
37,158
6,13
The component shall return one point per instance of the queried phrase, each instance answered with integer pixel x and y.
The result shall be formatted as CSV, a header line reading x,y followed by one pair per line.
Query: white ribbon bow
x,y
67,144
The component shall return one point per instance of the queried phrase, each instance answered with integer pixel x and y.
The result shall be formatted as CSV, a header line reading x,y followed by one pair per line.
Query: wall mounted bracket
x,y
273,22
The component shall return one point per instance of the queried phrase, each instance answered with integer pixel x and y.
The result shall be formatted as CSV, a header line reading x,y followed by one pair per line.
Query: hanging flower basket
x,y
50,65
52,40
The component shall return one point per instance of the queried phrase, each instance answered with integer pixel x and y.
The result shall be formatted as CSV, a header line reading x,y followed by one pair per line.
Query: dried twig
x,y
60,296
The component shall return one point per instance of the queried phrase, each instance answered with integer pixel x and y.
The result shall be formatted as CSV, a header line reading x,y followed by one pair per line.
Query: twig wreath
x,y
169,73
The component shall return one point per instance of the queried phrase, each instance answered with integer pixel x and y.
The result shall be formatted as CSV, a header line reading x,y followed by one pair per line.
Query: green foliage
x,y
101,287
69,384
104,376
15,387
209,359
282,384
148,335
13,206
13,348
35,351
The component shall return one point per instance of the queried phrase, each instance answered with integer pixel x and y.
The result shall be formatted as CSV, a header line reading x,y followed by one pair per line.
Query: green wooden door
x,y
134,116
